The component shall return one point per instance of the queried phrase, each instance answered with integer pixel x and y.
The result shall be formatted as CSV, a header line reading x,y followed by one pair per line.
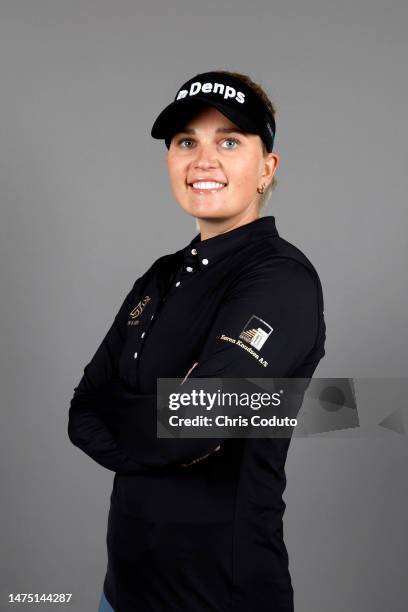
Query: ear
x,y
271,162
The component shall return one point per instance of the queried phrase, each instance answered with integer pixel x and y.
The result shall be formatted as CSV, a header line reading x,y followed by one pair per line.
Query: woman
x,y
194,524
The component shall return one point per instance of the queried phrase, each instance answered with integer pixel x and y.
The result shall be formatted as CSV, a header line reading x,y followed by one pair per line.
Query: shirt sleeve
x,y
269,325
132,419
87,427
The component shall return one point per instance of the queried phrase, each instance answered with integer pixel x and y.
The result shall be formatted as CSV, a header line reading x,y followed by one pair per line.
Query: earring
x,y
261,189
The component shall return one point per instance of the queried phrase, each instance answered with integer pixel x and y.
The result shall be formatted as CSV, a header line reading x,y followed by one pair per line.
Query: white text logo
x,y
224,90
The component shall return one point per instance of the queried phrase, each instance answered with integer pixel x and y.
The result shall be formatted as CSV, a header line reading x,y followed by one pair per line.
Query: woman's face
x,y
211,149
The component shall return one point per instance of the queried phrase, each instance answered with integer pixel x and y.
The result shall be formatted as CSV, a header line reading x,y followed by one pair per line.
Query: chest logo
x,y
256,332
138,309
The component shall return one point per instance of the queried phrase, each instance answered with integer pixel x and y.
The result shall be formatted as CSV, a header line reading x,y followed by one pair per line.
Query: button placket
x,y
187,269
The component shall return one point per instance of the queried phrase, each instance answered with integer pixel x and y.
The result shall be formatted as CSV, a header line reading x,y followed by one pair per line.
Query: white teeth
x,y
207,185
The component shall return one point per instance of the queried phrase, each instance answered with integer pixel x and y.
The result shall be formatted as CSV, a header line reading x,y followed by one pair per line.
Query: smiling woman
x,y
196,524
218,171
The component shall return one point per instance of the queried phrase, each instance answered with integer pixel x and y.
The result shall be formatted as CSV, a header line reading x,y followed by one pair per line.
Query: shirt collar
x,y
204,253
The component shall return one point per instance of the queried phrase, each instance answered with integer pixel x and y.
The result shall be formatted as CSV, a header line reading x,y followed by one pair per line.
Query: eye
x,y
187,143
235,141
182,140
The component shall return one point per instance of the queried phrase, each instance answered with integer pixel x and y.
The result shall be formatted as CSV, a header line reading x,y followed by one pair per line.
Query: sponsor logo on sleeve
x,y
254,334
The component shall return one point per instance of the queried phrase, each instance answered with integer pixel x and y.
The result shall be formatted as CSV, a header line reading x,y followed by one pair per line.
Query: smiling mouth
x,y
206,186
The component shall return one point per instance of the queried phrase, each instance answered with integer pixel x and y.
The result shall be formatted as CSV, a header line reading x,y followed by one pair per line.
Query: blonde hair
x,y
259,90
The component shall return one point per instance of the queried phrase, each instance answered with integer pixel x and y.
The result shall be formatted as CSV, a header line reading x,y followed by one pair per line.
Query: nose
x,y
205,157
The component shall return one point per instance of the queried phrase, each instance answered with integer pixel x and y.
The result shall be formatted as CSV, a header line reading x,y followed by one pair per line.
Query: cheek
x,y
177,175
244,176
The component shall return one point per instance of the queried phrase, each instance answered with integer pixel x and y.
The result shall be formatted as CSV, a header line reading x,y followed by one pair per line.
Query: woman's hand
x,y
189,372
216,449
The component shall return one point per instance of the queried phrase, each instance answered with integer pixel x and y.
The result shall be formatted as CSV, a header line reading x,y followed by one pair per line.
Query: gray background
x,y
86,207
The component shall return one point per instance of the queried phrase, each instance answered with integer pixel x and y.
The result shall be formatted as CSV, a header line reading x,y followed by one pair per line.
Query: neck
x,y
213,227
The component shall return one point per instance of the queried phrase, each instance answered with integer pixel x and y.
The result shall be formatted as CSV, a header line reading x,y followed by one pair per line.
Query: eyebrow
x,y
218,130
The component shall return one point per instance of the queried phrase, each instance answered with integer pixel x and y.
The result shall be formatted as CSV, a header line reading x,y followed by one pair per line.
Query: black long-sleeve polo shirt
x,y
245,303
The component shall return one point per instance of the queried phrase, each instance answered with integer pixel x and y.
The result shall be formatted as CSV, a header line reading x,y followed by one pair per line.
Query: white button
x,y
143,335
194,251
135,355
204,261
177,284
189,269
152,317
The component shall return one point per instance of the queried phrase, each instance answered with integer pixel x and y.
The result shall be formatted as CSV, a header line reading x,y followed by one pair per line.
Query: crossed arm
x,y
124,440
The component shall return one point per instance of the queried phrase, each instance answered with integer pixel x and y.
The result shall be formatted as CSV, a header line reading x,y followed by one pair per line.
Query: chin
x,y
207,211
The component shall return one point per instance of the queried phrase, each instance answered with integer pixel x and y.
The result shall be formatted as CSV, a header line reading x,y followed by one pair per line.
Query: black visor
x,y
231,96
